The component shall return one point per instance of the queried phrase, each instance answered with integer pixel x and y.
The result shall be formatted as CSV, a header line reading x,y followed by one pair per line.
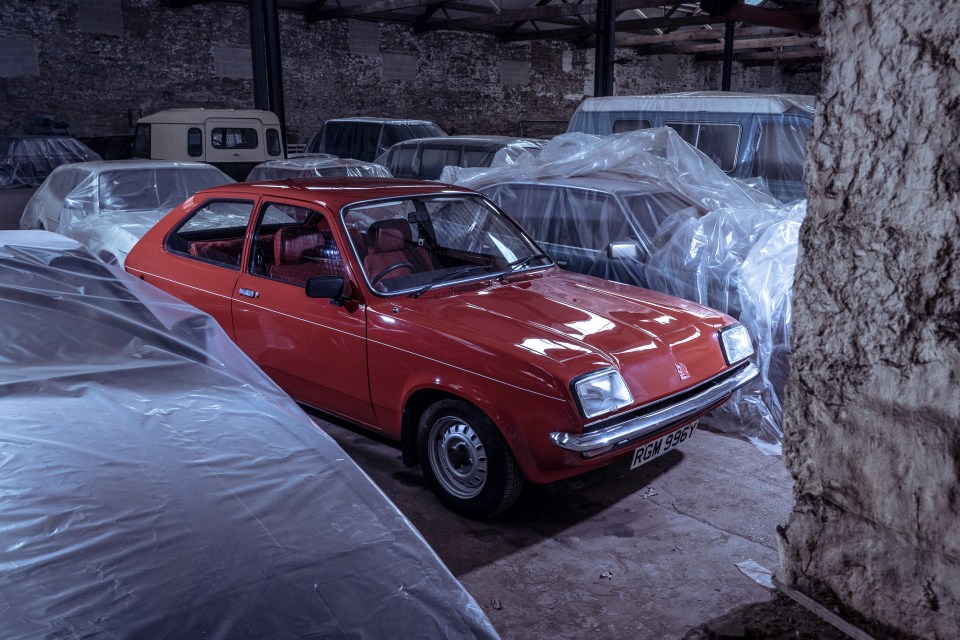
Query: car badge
x,y
682,371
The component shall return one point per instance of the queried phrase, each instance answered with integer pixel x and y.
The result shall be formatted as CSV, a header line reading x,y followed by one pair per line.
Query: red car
x,y
423,312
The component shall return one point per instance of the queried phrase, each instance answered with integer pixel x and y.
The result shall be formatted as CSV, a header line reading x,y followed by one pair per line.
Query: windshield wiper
x,y
449,276
516,265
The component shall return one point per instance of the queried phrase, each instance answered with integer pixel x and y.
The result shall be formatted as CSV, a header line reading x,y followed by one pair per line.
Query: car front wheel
x,y
466,461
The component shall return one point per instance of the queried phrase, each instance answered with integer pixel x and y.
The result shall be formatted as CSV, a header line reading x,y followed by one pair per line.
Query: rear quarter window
x,y
213,233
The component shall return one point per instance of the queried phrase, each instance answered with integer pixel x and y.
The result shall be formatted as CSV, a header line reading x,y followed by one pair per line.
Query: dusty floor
x,y
638,554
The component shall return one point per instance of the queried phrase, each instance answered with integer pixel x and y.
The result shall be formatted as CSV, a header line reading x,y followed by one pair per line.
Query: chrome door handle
x,y
250,293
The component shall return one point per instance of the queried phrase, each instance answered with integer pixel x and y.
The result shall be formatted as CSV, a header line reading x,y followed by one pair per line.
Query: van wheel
x,y
466,461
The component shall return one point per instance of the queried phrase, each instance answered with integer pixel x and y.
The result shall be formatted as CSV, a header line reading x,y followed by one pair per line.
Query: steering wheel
x,y
375,279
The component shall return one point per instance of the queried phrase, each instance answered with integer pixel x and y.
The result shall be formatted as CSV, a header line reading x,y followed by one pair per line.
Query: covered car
x,y
109,205
441,324
318,165
597,226
365,139
158,485
26,161
750,136
694,253
425,158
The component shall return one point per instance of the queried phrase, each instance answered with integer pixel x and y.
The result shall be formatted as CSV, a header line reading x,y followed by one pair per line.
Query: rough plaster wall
x,y
165,58
872,430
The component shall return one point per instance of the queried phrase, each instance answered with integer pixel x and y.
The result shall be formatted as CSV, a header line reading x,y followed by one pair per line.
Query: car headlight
x,y
601,392
736,343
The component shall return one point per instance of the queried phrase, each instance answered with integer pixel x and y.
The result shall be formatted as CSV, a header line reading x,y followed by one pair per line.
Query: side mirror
x,y
325,287
623,251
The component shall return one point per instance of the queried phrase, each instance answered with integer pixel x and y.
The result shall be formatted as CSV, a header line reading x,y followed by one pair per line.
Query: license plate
x,y
661,445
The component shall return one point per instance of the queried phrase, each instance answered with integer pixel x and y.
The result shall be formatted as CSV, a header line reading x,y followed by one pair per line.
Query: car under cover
x,y
158,485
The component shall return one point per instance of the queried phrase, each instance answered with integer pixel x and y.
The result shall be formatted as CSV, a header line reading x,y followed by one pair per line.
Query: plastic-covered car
x,y
748,135
26,161
425,158
598,226
423,312
158,485
367,138
109,205
738,257
320,165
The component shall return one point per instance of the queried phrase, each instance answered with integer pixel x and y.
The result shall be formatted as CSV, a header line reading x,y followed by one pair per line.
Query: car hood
x,y
586,324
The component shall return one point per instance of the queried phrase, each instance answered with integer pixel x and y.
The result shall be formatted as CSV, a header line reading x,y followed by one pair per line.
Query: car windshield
x,y
408,245
149,189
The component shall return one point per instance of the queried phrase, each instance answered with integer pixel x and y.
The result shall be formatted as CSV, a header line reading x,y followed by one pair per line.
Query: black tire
x,y
466,461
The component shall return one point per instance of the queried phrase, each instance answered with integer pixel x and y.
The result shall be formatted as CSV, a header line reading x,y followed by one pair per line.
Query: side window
x,y
213,233
273,142
432,162
141,141
630,124
233,138
293,244
194,142
719,141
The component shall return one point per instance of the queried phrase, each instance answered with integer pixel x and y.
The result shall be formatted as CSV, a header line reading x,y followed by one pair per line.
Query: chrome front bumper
x,y
621,434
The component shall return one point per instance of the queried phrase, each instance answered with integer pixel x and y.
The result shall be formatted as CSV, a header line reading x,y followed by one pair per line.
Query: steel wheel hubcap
x,y
458,457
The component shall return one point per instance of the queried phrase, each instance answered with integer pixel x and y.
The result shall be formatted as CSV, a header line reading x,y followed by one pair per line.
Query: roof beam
x,y
738,44
622,25
542,12
367,8
699,34
789,54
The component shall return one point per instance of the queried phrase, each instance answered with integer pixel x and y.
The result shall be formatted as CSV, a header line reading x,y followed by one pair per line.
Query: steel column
x,y
275,65
605,47
727,55
261,99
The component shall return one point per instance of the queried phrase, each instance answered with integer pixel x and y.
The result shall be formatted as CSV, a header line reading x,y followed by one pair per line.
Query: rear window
x,y
630,124
141,141
233,138
194,142
273,142
717,140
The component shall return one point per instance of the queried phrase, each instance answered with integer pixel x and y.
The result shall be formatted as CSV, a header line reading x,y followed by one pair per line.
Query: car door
x,y
314,348
205,255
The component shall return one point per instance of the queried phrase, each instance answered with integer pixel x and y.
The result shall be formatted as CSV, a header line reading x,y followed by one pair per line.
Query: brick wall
x,y
97,63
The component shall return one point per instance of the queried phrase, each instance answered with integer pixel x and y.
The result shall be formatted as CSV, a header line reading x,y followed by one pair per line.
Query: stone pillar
x,y
872,431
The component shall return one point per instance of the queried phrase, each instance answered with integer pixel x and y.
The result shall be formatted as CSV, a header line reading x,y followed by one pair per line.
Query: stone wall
x,y
872,431
100,63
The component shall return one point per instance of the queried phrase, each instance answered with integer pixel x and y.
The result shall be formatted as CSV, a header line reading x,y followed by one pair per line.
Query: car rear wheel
x,y
466,461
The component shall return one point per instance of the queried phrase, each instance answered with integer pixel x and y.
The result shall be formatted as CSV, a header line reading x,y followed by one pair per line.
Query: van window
x,y
719,141
141,141
194,142
233,138
432,162
273,142
631,124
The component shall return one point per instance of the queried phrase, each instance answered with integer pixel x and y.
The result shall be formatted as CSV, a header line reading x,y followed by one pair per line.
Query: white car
x,y
107,206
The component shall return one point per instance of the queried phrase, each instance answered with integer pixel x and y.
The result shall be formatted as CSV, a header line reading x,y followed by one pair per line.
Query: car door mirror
x,y
325,287
623,251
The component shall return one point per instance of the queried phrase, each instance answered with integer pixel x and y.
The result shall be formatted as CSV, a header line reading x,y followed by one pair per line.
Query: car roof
x,y
705,101
99,166
606,184
335,192
196,115
470,140
381,120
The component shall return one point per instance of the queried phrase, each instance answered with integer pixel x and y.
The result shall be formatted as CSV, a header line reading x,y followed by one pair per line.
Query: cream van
x,y
233,140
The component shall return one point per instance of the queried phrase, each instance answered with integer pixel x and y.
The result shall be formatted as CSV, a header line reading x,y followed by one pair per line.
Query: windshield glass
x,y
406,244
149,189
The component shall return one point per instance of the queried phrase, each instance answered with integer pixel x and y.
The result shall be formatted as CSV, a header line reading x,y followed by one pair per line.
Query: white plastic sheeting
x,y
738,259
26,161
741,262
319,165
158,485
109,205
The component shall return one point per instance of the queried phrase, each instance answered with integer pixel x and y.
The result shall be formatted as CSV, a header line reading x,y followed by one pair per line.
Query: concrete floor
x,y
638,554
